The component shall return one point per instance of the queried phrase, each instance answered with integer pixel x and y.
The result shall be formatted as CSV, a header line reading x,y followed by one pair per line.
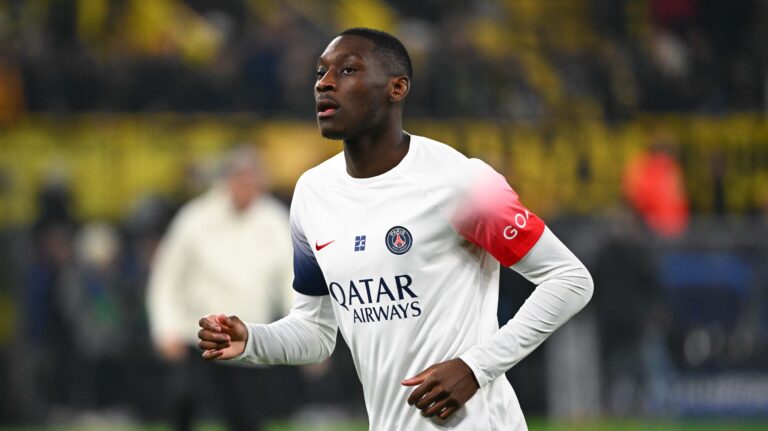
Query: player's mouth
x,y
326,107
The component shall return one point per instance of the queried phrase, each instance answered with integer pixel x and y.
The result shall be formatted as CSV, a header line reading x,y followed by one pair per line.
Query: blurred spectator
x,y
143,230
93,305
653,184
47,335
627,308
11,93
228,249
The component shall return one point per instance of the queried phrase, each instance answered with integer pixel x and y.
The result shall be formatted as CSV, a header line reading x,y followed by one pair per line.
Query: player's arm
x,y
564,287
518,239
306,335
489,214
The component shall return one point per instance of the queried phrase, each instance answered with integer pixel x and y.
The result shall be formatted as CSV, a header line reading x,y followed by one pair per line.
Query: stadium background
x,y
113,112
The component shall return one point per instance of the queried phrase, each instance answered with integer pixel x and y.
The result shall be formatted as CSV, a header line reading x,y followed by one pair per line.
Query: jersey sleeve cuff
x,y
481,377
249,354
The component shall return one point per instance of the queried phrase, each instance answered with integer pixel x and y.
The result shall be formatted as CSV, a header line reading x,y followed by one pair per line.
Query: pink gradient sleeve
x,y
491,216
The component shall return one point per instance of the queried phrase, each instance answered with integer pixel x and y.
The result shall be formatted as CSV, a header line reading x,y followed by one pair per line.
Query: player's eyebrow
x,y
341,57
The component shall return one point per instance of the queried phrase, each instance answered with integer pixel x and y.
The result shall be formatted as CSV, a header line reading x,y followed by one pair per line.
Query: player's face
x,y
351,88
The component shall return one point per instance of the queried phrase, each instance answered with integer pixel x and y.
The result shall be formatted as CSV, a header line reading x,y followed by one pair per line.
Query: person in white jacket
x,y
228,249
397,243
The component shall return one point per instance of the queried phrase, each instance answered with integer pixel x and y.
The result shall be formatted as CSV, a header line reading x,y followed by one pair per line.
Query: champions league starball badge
x,y
399,240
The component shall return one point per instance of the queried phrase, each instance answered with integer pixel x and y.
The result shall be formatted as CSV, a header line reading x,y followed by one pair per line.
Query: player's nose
x,y
325,83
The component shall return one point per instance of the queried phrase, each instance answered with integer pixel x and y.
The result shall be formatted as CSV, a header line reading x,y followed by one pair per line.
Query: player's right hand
x,y
221,337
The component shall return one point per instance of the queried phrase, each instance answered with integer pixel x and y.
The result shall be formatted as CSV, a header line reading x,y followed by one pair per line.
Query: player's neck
x,y
376,153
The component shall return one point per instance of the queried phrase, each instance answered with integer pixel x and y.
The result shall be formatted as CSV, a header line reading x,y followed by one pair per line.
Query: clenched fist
x,y
221,337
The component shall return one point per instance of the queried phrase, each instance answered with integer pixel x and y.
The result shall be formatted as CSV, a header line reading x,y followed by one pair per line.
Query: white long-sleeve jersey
x,y
406,266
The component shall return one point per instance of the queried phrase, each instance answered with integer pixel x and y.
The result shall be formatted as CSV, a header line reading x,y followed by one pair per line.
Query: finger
x,y
435,395
207,335
447,412
208,322
225,320
419,392
209,345
417,379
436,407
211,354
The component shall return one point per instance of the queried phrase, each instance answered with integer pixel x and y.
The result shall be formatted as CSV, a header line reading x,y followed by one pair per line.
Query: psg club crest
x,y
399,240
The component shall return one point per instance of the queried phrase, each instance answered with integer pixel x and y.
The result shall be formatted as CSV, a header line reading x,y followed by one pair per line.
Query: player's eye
x,y
320,73
348,71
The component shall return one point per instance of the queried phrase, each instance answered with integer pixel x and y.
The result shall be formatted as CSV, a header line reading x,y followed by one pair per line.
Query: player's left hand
x,y
442,388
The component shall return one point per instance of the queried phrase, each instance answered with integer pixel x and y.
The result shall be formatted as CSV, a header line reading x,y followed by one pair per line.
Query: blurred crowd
x,y
83,324
93,343
681,317
74,330
511,59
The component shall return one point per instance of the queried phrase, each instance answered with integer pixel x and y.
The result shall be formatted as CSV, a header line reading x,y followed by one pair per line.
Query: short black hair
x,y
387,46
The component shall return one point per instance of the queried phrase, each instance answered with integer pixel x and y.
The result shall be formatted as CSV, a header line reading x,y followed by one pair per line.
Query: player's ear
x,y
399,89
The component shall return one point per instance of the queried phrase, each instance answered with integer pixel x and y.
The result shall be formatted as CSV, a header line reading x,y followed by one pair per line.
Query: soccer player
x,y
397,243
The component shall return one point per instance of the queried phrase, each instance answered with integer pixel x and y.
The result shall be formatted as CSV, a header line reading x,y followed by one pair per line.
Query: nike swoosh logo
x,y
319,247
